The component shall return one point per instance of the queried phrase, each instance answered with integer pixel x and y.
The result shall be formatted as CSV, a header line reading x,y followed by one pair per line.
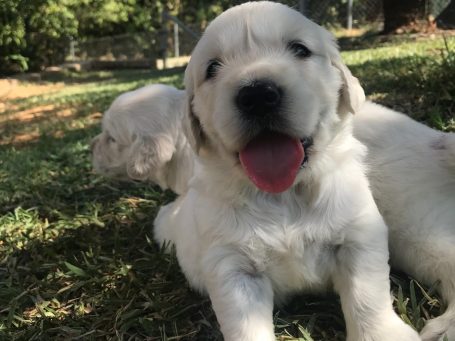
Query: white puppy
x,y
281,202
412,175
142,138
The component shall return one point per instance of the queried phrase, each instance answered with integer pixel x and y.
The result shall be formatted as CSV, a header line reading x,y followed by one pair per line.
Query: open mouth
x,y
272,160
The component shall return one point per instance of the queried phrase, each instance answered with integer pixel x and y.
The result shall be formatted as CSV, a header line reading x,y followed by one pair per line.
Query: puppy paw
x,y
439,329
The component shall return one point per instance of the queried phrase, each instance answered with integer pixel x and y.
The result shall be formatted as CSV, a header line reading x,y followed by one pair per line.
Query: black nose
x,y
259,98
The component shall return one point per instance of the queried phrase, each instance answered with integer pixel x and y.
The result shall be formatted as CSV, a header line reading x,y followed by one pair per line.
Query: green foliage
x,y
50,27
12,36
34,34
109,17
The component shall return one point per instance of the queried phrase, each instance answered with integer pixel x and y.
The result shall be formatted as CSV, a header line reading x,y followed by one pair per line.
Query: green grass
x,y
77,259
417,78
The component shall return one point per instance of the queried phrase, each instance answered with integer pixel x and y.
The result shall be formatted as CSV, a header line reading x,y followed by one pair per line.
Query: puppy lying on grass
x,y
411,169
280,202
411,172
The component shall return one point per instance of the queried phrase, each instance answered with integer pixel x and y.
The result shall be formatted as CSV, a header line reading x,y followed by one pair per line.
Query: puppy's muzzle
x,y
259,99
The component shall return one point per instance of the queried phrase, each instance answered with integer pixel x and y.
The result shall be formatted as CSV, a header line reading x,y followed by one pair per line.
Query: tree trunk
x,y
446,19
400,13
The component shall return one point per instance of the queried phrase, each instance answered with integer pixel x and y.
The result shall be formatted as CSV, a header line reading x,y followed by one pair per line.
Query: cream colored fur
x,y
246,248
142,139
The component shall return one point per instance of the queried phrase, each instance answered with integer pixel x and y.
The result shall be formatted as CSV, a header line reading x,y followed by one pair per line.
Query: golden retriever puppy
x,y
142,139
412,176
280,201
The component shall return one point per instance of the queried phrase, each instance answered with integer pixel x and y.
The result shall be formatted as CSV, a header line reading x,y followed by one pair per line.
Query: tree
x,y
401,13
446,19
12,36
49,25
35,34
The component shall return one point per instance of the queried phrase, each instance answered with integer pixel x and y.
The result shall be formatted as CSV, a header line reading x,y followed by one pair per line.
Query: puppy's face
x,y
111,148
260,83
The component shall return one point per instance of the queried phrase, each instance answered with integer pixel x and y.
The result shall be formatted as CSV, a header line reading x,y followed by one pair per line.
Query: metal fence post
x,y
164,38
176,41
72,50
349,26
302,7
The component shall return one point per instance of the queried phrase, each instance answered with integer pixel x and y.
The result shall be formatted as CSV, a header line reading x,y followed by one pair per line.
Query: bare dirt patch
x,y
12,89
35,113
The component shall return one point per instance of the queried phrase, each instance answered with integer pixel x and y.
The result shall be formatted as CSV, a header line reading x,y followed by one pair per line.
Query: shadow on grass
x,y
100,281
78,256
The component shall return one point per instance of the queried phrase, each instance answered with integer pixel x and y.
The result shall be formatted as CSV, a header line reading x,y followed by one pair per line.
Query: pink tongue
x,y
272,160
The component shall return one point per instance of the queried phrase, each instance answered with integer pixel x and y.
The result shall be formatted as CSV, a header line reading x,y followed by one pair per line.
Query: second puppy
x,y
142,139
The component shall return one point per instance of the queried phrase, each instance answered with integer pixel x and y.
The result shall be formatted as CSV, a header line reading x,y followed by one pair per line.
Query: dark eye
x,y
212,68
299,50
110,139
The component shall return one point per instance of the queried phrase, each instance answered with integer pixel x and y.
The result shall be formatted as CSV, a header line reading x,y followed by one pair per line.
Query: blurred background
x,y
100,34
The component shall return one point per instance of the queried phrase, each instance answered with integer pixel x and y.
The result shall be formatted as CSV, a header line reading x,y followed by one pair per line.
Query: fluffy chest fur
x,y
292,237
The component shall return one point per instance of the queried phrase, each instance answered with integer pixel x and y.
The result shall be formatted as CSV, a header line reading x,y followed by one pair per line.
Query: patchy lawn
x,y
77,260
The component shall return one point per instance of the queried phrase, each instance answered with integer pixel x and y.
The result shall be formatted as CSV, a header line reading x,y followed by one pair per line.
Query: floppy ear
x,y
352,95
192,126
148,155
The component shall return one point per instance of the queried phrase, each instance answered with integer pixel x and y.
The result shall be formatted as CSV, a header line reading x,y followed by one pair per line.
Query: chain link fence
x,y
360,13
171,46
127,50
